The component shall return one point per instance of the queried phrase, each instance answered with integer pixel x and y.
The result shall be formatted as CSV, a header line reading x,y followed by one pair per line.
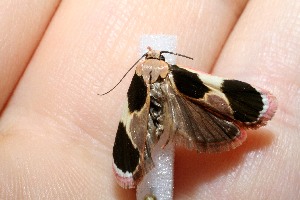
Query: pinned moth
x,y
199,111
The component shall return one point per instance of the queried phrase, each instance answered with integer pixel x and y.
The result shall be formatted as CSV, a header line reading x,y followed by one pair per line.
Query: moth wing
x,y
196,128
131,155
210,113
229,99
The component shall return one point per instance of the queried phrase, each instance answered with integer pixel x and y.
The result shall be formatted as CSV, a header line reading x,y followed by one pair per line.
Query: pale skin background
x,y
56,134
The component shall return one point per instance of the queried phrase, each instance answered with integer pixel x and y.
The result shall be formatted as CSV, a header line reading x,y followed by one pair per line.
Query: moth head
x,y
153,54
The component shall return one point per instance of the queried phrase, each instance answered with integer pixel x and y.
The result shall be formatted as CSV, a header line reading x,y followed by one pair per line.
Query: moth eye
x,y
161,57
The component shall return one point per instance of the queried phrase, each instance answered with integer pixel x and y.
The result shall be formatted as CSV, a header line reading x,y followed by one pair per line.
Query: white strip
x,y
159,181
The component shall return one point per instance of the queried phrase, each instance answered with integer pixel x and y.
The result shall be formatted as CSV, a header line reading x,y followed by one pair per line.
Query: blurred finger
x,y
22,24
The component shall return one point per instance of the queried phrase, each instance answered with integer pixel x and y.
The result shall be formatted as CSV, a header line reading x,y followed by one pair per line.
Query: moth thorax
x,y
156,112
152,69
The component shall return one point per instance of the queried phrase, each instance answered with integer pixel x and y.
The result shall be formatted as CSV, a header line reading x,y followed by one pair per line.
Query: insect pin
x,y
200,111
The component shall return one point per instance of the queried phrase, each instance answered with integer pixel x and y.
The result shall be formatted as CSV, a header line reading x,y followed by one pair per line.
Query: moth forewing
x,y
231,99
129,146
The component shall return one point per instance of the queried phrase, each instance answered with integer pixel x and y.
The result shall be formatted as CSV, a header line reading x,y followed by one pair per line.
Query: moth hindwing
x,y
190,108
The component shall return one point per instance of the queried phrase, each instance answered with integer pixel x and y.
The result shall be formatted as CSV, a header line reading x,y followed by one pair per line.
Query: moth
x,y
197,110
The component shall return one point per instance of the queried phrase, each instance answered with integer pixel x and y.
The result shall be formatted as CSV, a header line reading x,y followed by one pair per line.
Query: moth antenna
x,y
123,76
177,54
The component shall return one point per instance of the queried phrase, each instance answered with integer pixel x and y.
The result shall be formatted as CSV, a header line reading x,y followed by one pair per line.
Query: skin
x,y
56,134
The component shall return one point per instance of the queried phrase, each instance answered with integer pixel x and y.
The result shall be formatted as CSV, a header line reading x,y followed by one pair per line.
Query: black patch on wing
x,y
125,156
137,94
245,101
188,83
